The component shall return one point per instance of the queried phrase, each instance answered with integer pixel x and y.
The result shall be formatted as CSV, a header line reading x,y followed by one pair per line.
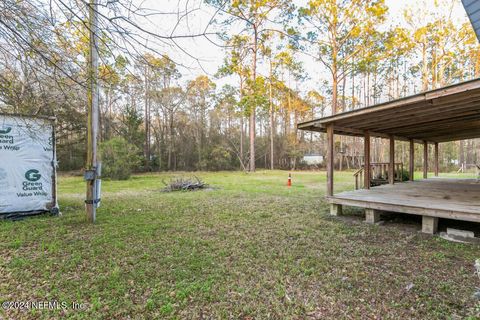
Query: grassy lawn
x,y
250,248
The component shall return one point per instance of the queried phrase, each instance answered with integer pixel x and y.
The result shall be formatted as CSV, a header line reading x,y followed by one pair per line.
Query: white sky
x,y
211,56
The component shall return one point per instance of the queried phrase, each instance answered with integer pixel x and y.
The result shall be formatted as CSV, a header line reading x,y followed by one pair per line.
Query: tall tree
x,y
256,17
200,96
235,63
337,28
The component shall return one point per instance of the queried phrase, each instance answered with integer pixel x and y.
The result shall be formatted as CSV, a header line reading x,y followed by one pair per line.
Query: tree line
x,y
246,114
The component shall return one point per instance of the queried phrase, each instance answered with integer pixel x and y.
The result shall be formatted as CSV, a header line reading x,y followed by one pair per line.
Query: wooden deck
x,y
431,198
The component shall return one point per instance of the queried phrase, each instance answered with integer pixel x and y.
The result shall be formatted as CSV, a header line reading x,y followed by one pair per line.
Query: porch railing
x,y
378,174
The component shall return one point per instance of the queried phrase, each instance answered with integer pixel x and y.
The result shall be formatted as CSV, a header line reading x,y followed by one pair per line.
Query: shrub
x,y
219,159
119,158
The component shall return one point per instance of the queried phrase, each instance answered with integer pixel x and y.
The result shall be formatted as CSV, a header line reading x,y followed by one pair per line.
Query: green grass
x,y
250,248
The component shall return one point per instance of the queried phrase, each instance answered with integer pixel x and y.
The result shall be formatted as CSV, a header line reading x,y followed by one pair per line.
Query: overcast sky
x,y
210,56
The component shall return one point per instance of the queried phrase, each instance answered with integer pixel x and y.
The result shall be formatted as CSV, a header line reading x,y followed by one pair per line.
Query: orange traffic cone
x,y
289,183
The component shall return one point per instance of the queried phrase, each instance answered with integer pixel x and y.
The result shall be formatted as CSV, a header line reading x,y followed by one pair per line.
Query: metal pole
x,y
92,114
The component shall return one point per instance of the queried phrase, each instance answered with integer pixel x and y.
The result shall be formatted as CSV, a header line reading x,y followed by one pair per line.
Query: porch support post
x,y
425,159
436,159
429,224
372,216
330,158
335,209
411,168
391,167
366,148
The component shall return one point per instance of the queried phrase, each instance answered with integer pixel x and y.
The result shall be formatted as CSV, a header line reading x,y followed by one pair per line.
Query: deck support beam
x,y
330,157
366,149
425,159
436,159
429,224
335,209
411,171
391,167
372,216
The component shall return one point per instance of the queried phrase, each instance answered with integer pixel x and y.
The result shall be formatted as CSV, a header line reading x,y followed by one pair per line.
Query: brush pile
x,y
184,184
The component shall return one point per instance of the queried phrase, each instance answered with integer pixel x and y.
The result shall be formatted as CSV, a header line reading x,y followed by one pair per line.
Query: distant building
x,y
313,159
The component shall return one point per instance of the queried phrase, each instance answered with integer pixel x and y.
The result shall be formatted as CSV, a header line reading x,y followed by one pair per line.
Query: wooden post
x,y
429,224
436,159
372,216
411,169
335,209
425,159
391,167
92,114
330,158
366,149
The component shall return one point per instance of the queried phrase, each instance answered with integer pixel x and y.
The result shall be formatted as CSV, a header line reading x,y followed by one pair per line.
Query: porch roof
x,y
445,114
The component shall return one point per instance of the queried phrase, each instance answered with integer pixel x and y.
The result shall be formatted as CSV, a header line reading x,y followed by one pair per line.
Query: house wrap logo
x,y
32,187
6,139
33,175
49,148
5,131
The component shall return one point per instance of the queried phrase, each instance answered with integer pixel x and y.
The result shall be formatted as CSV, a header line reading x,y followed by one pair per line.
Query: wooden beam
x,y
391,166
453,89
456,137
347,131
436,159
425,159
411,170
330,157
366,148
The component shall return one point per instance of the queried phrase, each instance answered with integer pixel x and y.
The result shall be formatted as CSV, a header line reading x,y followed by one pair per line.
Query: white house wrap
x,y
27,165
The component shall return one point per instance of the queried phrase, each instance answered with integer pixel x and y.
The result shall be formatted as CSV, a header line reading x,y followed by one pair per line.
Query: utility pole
x,y
91,172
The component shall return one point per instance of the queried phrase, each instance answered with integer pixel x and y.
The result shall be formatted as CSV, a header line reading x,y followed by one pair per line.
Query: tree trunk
x,y
334,90
271,118
241,127
147,122
253,107
424,68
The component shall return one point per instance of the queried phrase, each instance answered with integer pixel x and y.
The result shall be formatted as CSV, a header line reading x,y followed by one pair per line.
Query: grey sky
x,y
211,56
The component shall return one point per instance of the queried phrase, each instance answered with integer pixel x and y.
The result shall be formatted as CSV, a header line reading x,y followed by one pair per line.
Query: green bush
x,y
219,159
119,158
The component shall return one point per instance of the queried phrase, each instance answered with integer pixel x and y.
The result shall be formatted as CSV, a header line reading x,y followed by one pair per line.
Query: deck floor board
x,y
455,198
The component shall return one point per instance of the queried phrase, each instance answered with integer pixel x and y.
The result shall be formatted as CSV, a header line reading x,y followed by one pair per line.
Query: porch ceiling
x,y
445,114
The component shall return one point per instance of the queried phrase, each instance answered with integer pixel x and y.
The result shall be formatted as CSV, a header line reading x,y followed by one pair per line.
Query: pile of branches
x,y
184,184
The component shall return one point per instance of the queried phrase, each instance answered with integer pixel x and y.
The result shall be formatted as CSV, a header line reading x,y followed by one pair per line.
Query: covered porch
x,y
429,118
